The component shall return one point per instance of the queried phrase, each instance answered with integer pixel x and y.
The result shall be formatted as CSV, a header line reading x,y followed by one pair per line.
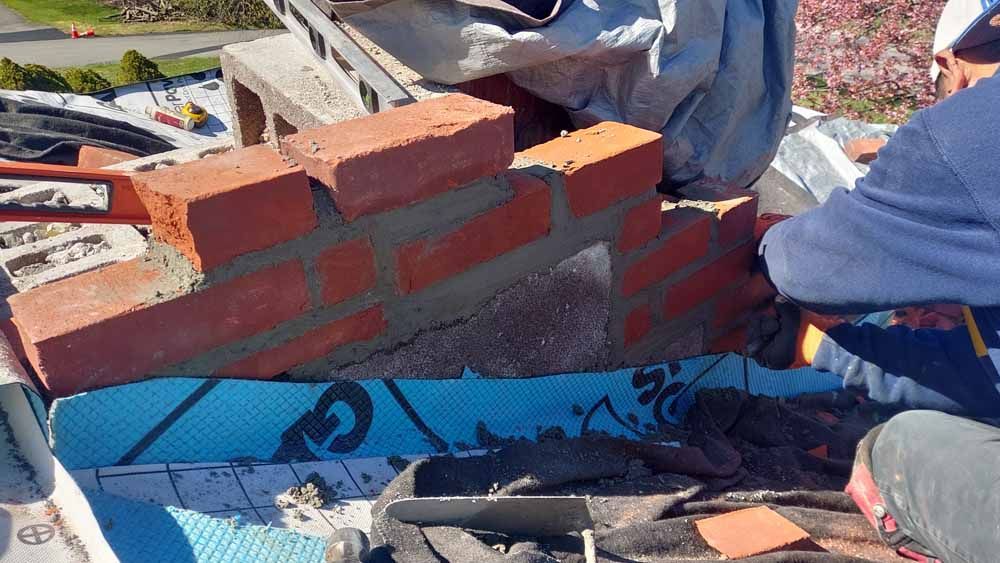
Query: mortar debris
x,y
637,470
550,433
577,410
366,478
487,439
314,492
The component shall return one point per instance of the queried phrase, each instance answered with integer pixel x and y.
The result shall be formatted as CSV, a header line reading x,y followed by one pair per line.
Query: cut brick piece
x,y
397,158
310,346
524,219
822,451
604,164
864,150
731,269
683,248
215,209
97,157
642,224
735,210
749,532
112,326
637,325
346,270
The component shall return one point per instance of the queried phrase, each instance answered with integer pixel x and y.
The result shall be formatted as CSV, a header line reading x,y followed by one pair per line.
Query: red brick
x,y
637,325
642,224
113,326
678,251
749,532
315,344
756,293
604,164
525,218
10,331
737,217
98,157
733,268
397,158
735,210
864,151
765,222
346,270
822,451
217,208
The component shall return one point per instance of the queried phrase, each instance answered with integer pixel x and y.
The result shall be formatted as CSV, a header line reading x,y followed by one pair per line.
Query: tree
x,y
137,68
83,80
12,75
45,79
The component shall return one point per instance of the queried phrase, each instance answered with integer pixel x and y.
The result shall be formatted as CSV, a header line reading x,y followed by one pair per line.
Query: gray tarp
x,y
714,76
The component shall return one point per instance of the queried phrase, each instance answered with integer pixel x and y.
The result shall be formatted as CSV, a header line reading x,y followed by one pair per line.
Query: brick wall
x,y
410,243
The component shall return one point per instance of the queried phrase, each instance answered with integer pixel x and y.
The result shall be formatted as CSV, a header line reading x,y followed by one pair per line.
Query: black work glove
x,y
773,341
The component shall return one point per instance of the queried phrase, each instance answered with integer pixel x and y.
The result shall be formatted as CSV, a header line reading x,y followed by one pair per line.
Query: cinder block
x,y
346,270
174,157
215,209
312,345
118,324
553,321
37,194
603,164
679,248
276,88
642,224
62,250
98,157
729,270
637,324
527,217
400,157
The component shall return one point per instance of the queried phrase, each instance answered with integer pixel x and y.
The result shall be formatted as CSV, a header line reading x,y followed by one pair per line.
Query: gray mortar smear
x,y
546,323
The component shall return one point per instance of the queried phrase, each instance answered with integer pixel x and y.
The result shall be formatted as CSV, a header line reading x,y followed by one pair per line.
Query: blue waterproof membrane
x,y
140,532
175,420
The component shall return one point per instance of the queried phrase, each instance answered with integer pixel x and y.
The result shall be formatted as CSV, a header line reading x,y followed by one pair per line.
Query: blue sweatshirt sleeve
x,y
917,229
910,233
924,369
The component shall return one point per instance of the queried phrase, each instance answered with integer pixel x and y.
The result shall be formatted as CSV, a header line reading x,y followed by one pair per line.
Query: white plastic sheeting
x,y
812,153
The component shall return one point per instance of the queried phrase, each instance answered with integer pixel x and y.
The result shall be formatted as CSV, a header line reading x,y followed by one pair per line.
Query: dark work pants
x,y
940,478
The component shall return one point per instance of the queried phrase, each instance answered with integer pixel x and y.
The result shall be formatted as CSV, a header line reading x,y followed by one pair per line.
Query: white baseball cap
x,y
965,24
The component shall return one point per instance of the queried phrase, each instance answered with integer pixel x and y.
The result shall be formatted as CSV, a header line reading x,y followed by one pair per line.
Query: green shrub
x,y
83,80
45,79
13,76
137,68
237,13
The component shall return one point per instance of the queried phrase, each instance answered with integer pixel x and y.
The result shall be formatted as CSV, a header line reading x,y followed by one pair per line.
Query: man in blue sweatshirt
x,y
923,227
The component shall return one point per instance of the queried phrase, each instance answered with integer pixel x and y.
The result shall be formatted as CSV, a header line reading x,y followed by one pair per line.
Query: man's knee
x,y
905,440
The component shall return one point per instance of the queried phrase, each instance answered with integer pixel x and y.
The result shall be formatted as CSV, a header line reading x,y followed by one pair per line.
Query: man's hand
x,y
772,341
788,340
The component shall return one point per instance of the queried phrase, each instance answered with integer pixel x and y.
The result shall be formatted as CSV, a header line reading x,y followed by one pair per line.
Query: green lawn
x,y
169,67
60,14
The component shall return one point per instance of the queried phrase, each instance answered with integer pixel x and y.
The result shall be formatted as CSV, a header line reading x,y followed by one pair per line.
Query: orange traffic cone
x,y
90,31
73,32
